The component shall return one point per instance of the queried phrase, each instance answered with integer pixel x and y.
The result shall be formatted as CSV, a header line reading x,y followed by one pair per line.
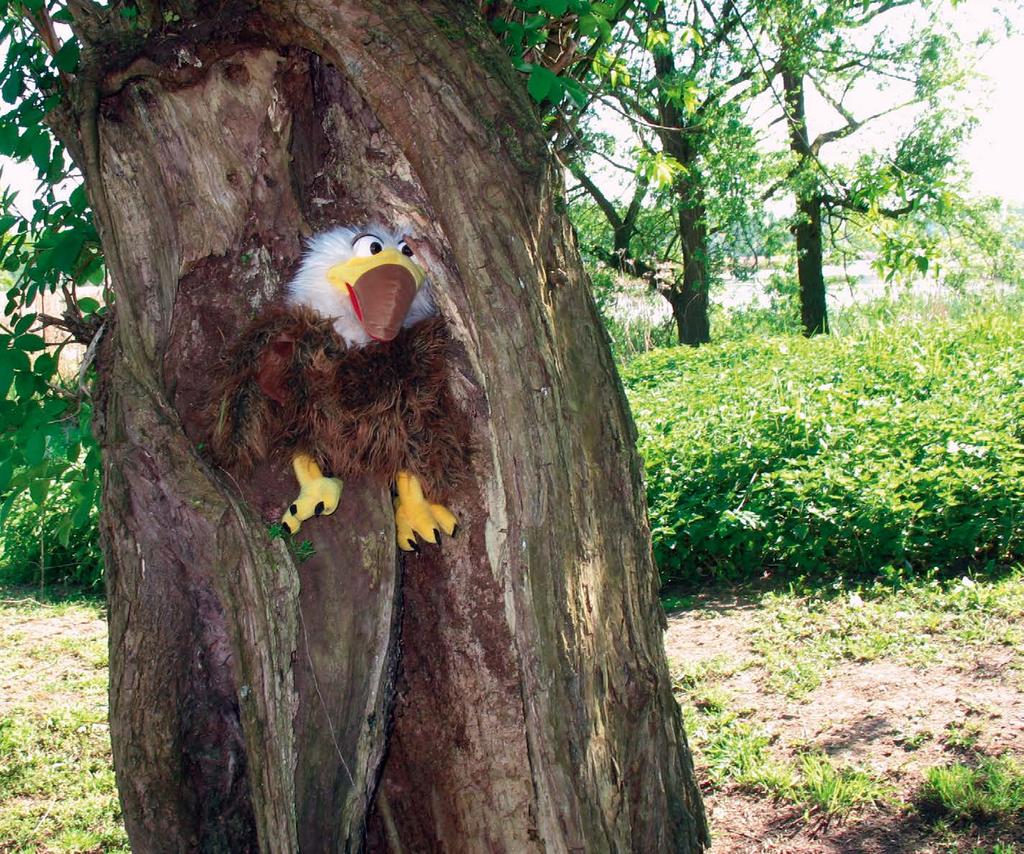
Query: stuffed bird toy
x,y
350,377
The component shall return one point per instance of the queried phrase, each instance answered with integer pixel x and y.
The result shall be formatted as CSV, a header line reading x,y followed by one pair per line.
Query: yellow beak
x,y
382,288
347,272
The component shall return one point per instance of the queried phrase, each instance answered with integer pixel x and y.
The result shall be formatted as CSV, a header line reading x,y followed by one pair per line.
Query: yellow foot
x,y
318,495
415,515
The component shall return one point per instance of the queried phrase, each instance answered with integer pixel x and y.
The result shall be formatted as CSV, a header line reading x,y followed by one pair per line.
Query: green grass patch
x,y
801,633
57,791
737,752
894,447
992,791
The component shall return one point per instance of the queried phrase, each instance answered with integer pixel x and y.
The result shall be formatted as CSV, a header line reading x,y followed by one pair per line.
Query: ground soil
x,y
883,715
865,714
49,662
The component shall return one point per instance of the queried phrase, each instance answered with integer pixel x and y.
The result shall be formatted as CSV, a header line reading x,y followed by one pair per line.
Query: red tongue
x,y
355,302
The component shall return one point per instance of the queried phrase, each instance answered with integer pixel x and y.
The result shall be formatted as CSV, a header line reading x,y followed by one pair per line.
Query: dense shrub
x,y
71,552
897,447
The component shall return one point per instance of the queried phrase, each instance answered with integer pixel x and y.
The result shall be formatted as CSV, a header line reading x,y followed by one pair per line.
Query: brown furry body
x,y
290,384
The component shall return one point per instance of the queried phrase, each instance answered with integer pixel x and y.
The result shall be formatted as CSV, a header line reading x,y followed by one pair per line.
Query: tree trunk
x,y
506,691
690,304
680,141
810,266
807,226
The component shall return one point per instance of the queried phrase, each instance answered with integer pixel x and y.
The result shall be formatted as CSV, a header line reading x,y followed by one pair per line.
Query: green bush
x,y
899,446
70,553
636,319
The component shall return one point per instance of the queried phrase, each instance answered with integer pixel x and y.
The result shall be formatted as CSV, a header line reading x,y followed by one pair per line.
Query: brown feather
x,y
289,384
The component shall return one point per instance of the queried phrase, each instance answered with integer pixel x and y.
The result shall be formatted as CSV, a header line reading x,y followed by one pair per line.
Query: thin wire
x,y
323,703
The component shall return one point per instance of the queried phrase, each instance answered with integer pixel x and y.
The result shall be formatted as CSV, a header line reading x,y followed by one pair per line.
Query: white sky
x,y
994,155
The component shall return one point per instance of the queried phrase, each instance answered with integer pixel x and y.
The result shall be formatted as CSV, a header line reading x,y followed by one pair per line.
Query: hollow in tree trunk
x,y
507,691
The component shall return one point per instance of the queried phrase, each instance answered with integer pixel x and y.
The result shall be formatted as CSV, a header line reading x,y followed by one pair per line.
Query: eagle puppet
x,y
350,376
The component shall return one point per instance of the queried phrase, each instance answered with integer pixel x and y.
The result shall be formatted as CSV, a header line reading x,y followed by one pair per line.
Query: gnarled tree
x,y
505,692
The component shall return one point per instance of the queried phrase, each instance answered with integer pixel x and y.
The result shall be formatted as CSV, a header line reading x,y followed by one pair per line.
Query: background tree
x,y
866,61
260,703
682,75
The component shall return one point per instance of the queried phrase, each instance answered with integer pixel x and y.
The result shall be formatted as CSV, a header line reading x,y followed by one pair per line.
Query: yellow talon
x,y
318,495
415,515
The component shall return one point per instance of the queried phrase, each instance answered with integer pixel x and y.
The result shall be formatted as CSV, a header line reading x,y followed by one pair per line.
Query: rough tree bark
x,y
807,227
507,691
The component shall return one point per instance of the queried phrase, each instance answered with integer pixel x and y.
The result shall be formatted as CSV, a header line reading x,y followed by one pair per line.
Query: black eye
x,y
405,248
367,244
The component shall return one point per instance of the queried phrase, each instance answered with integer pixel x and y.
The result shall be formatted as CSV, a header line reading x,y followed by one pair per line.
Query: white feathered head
x,y
364,279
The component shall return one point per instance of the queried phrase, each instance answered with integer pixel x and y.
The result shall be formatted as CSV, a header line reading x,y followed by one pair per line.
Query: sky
x,y
994,153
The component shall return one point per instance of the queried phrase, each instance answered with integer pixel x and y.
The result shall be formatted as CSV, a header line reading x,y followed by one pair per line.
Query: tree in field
x,y
507,692
682,75
867,62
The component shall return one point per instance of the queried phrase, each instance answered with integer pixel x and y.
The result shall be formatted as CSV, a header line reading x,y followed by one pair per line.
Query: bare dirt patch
x,y
45,655
890,717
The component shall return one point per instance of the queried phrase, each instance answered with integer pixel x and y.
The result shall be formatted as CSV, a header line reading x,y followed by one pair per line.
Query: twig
x,y
90,354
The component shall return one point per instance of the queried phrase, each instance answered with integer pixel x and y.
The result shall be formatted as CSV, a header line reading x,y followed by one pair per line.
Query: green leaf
x,y
588,26
65,252
24,385
6,222
13,86
576,92
555,8
18,359
30,343
41,150
64,531
53,407
33,5
6,470
88,305
24,323
8,138
66,59
6,375
35,448
78,200
541,83
85,505
6,508
38,489
45,366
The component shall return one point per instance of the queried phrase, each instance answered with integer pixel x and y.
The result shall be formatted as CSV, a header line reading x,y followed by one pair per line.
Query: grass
x,y
788,640
991,791
57,791
739,753
802,633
